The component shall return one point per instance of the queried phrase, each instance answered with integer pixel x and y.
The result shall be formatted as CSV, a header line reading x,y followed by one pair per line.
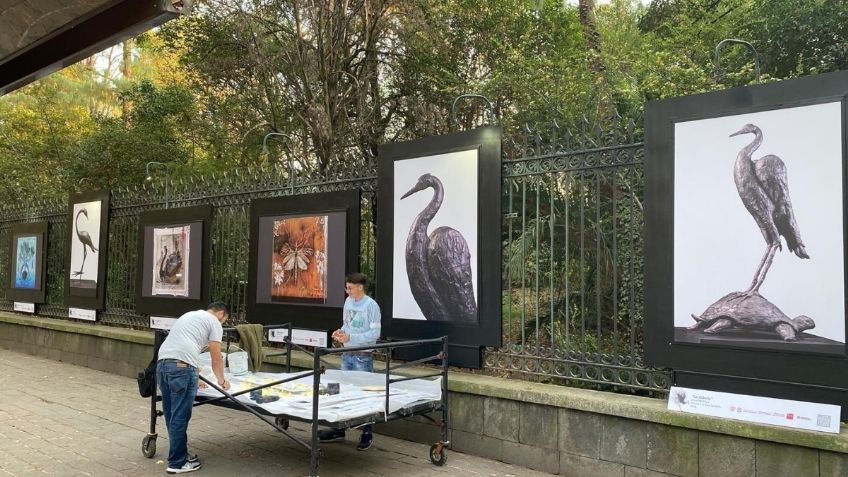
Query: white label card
x,y
82,314
778,412
24,307
162,322
300,337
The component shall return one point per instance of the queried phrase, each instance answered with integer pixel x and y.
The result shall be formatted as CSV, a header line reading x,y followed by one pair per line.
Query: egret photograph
x,y
758,229
85,241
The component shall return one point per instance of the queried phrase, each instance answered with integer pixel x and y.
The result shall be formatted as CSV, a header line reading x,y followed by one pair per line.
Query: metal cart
x,y
280,422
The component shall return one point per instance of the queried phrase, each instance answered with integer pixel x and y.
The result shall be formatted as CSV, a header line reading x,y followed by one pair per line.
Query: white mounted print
x,y
758,227
85,255
435,237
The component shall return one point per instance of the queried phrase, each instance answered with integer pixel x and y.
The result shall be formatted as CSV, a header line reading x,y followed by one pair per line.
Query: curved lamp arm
x,y
291,159
454,121
738,42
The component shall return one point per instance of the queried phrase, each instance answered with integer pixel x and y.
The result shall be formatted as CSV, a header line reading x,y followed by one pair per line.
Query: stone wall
x,y
566,431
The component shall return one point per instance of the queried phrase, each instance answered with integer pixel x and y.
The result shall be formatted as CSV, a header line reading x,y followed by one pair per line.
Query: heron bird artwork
x,y
85,239
763,186
439,264
764,190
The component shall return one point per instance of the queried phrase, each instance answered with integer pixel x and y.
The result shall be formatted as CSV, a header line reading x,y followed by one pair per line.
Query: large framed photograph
x,y
86,249
173,260
439,258
301,248
745,237
27,266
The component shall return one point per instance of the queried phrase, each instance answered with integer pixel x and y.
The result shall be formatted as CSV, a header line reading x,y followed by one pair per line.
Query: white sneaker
x,y
189,466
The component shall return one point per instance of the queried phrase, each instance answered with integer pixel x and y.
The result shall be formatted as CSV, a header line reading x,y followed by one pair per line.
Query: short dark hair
x,y
219,306
357,279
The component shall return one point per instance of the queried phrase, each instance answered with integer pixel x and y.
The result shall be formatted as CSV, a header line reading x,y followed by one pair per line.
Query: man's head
x,y
355,284
219,310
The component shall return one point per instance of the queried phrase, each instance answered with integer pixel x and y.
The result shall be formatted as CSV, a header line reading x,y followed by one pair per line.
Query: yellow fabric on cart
x,y
250,339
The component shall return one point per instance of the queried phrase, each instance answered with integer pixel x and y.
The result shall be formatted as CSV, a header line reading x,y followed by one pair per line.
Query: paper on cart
x,y
352,401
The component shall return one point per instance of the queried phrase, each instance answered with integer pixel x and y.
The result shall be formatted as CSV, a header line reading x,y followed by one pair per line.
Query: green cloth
x,y
250,340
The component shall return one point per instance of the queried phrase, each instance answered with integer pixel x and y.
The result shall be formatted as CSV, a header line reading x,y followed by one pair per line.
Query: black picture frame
x,y
93,298
199,220
465,337
38,293
345,205
790,372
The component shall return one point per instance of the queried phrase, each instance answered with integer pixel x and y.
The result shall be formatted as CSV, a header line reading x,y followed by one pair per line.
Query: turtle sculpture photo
x,y
750,311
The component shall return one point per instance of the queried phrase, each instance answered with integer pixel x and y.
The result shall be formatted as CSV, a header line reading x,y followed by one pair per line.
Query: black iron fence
x,y
572,238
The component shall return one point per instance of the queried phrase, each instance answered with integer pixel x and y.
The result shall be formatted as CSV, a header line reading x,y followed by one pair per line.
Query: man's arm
x,y
218,363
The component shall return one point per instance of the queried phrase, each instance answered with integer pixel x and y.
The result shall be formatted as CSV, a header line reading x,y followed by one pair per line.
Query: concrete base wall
x,y
560,430
578,443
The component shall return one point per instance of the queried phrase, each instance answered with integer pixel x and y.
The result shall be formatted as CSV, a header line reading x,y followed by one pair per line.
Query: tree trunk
x,y
126,72
586,9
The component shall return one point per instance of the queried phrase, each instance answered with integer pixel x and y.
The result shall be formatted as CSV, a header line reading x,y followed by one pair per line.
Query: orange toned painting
x,y
299,259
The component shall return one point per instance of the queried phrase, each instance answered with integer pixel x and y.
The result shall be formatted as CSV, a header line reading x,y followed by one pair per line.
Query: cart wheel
x,y
148,445
282,422
438,454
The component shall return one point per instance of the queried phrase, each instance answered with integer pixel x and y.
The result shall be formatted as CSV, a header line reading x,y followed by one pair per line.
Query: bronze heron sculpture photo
x,y
438,265
764,190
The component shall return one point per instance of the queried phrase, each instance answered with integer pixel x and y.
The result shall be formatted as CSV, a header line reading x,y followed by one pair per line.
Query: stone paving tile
x,y
66,420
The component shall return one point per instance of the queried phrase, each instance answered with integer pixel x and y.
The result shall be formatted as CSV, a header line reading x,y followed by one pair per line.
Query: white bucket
x,y
238,362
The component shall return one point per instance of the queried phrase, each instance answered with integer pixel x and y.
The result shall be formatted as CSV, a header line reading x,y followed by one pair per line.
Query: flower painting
x,y
299,259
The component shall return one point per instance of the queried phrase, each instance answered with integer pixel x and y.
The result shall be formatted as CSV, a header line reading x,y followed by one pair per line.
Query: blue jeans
x,y
358,362
178,386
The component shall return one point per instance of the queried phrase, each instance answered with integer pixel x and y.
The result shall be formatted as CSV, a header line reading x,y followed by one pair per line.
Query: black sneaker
x,y
365,441
331,435
187,467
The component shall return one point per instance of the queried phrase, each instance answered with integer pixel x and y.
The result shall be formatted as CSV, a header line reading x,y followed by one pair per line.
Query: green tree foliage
x,y
115,154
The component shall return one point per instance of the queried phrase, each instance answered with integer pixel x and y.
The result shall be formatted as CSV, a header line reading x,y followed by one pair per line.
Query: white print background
x,y
717,244
92,226
458,173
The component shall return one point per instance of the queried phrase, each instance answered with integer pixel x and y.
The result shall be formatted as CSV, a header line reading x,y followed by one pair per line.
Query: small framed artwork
x,y
745,240
86,249
301,248
27,270
173,260
439,255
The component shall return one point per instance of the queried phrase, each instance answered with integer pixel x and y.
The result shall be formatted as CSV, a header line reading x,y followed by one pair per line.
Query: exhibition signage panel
x,y
763,410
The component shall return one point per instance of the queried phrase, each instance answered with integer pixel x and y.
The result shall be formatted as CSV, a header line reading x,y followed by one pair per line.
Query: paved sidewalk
x,y
66,420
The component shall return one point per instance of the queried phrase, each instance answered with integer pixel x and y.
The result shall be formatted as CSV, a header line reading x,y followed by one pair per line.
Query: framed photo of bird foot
x,y
745,236
439,236
301,247
86,249
27,263
174,252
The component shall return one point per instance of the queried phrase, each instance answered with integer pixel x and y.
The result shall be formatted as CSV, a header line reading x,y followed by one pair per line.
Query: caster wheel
x,y
148,445
438,454
282,422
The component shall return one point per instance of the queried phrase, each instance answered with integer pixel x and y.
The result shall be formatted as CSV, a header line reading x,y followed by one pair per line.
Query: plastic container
x,y
237,359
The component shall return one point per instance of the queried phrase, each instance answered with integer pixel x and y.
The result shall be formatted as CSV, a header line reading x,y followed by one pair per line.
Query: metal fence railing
x,y
572,238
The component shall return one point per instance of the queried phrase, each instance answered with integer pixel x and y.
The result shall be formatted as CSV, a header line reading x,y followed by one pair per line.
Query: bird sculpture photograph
x,y
763,187
438,264
85,239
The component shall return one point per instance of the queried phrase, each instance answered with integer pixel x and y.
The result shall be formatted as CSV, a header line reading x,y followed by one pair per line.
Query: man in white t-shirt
x,y
176,372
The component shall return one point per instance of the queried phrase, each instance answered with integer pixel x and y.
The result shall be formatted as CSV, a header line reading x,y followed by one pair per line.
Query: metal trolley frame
x,y
280,422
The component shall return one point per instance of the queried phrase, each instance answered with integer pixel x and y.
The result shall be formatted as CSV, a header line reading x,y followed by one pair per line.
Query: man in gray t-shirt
x,y
176,372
